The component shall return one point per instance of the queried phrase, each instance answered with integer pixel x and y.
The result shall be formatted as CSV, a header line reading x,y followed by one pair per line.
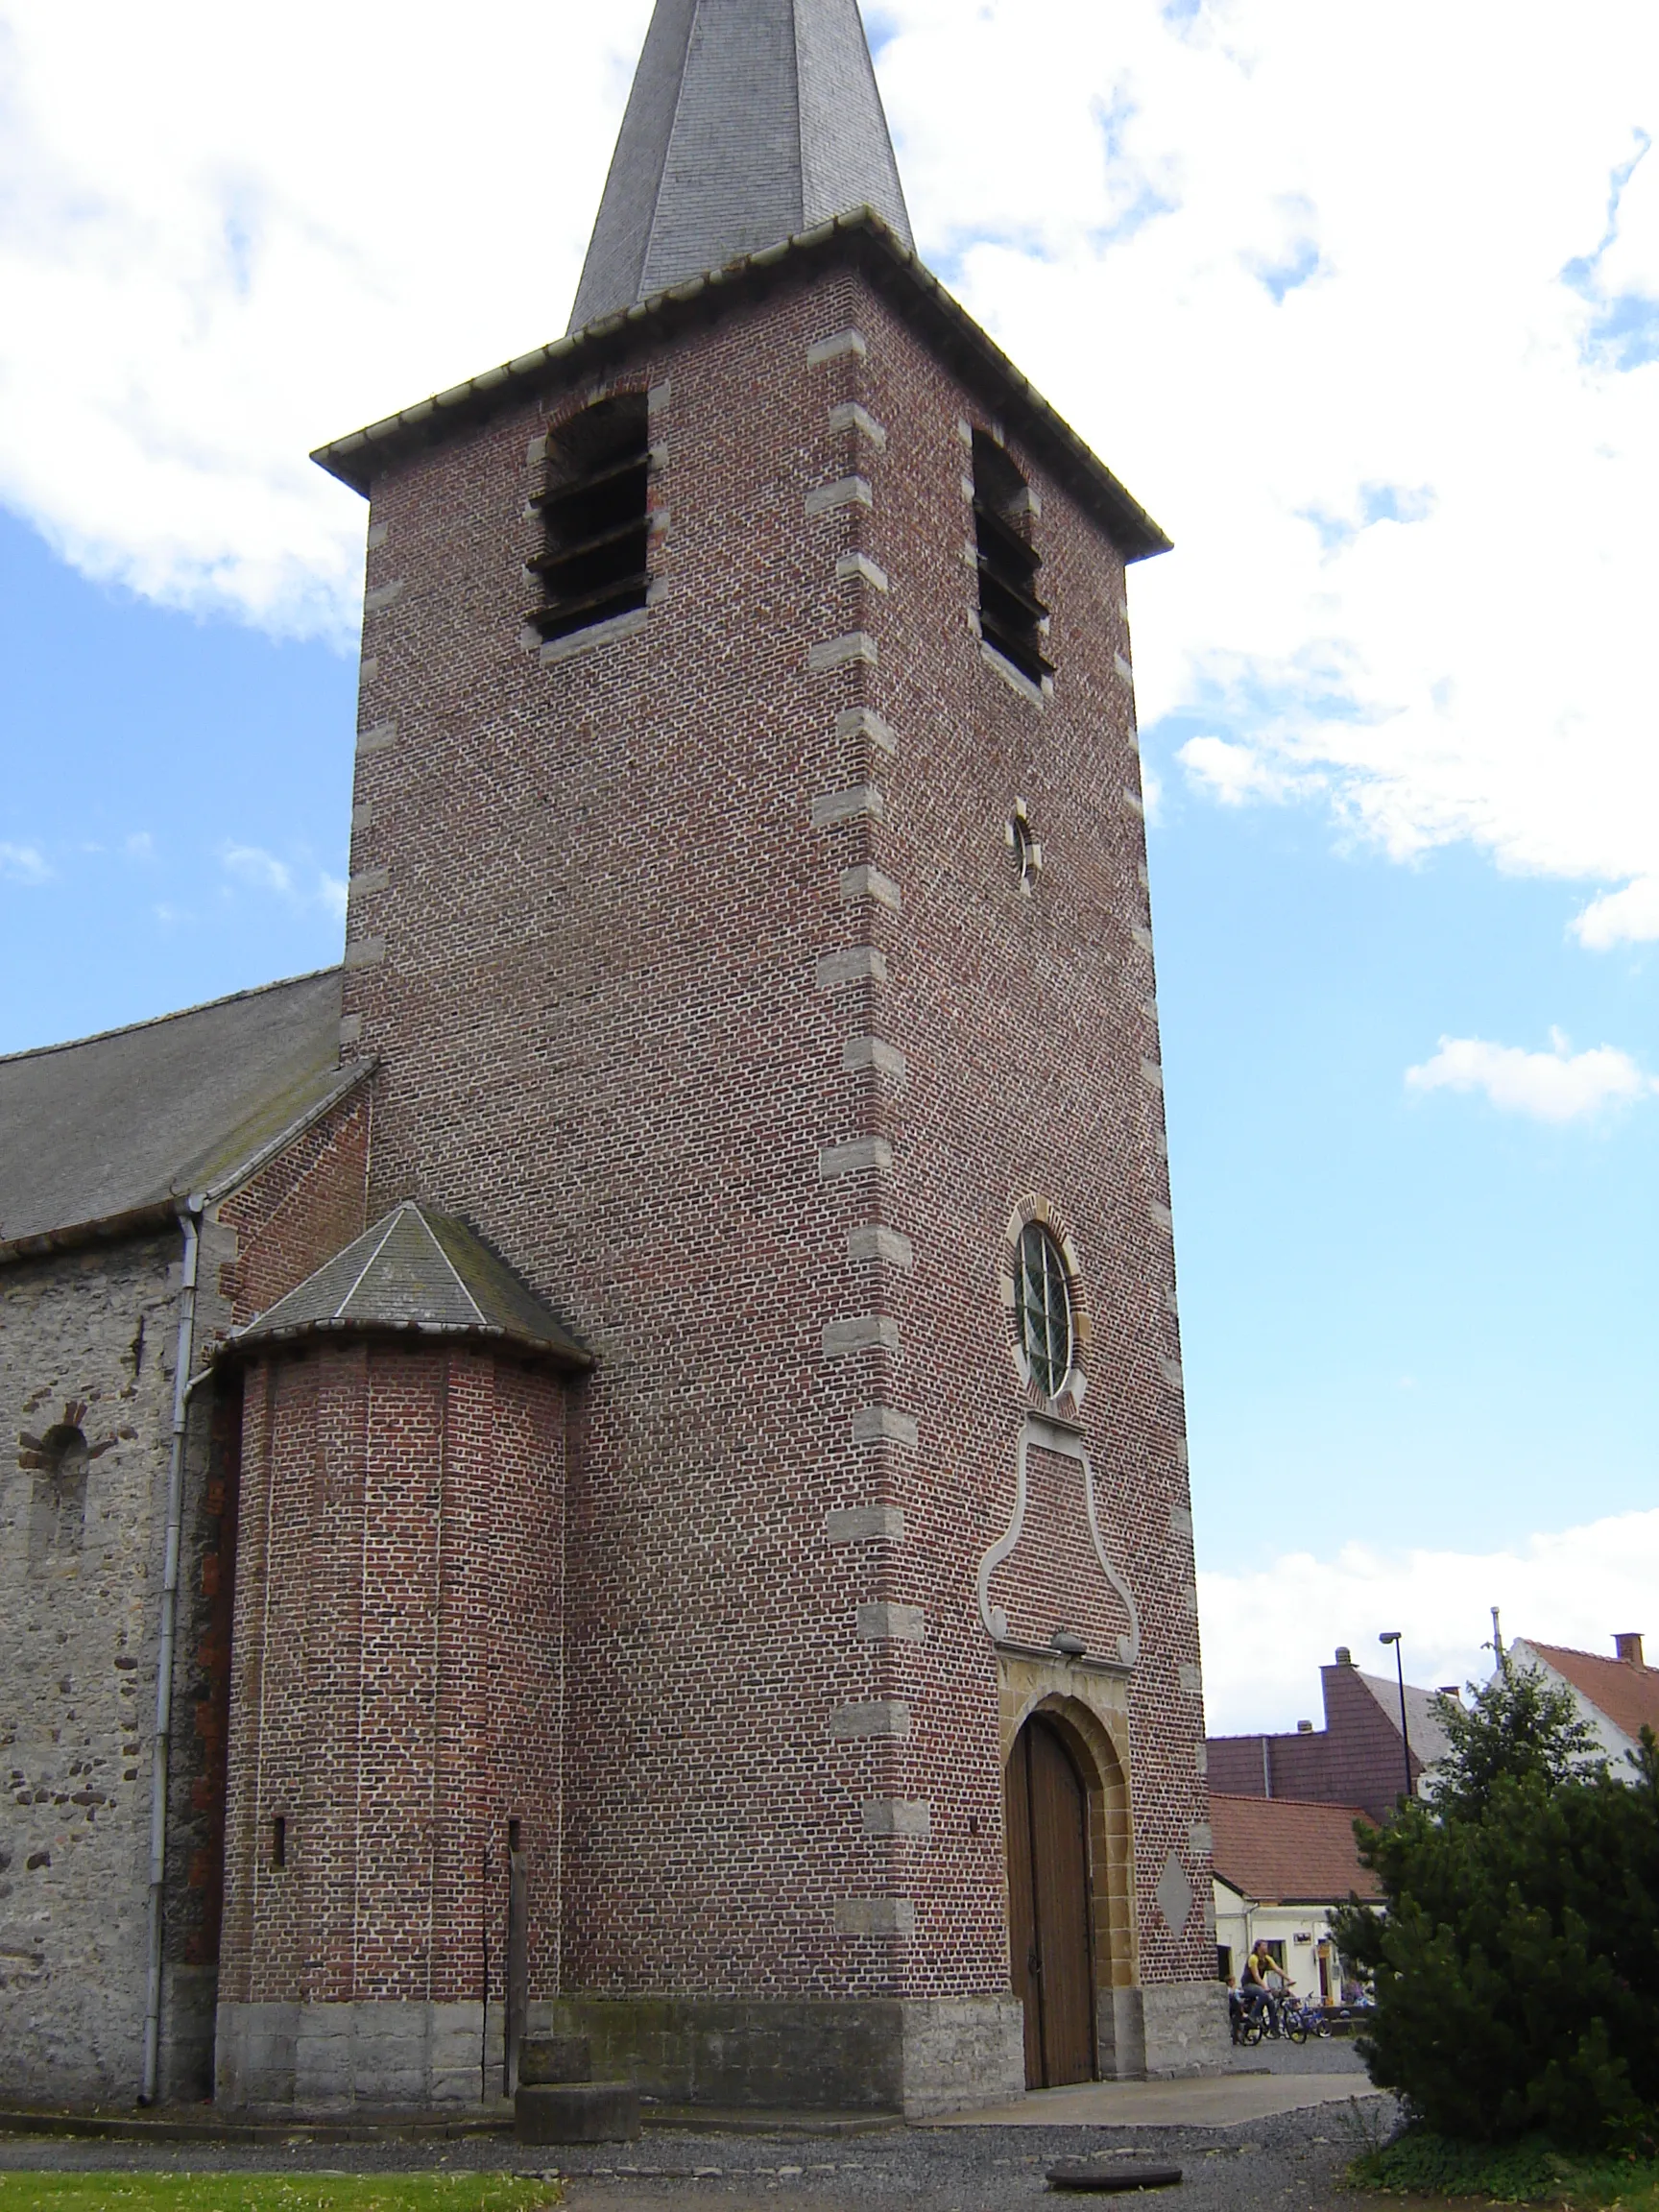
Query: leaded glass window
x,y
1045,1307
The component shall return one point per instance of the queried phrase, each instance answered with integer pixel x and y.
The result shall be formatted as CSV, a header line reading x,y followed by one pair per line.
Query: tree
x,y
1520,1727
1517,1960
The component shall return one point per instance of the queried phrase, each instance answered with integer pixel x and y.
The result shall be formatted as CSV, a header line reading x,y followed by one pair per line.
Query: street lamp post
x,y
1392,1636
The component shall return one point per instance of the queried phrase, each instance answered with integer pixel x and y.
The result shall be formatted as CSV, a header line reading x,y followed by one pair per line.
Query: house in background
x,y
1283,1867
1354,1759
1618,1696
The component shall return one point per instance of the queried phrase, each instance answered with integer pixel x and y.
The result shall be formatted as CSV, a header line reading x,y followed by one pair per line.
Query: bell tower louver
x,y
750,121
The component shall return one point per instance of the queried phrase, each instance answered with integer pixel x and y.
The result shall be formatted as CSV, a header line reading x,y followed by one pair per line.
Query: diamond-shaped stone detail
x,y
1175,1895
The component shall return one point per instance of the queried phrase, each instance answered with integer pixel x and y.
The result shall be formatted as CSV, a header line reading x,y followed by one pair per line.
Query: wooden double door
x,y
1048,1894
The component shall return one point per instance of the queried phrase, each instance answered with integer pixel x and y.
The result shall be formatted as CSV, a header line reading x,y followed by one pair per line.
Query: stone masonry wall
x,y
704,986
93,1334
86,1341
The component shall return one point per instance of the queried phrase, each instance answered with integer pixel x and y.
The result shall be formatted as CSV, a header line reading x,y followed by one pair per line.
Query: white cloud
x,y
23,864
1560,1085
1399,414
212,261
1233,775
1267,1633
1628,917
257,870
140,846
262,871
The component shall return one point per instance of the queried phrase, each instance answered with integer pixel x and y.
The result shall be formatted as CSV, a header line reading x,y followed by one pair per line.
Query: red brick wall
x,y
607,1042
298,1211
398,1671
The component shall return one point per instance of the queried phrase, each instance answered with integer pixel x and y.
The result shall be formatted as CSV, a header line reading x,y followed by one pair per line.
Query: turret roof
x,y
416,1273
749,122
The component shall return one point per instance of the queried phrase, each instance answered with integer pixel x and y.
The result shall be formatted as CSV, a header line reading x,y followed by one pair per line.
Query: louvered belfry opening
x,y
595,520
1012,621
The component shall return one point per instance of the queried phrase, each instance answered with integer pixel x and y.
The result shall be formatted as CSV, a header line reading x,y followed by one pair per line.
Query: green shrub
x,y
1517,1964
1419,2163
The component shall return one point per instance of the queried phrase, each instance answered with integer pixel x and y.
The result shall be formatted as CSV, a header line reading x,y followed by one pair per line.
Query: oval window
x,y
1044,1294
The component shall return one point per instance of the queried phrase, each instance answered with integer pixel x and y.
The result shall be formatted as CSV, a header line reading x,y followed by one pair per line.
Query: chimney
x,y
1344,1657
1629,1649
1304,1728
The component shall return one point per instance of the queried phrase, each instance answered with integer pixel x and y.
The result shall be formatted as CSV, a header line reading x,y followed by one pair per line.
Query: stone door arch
x,y
1070,1928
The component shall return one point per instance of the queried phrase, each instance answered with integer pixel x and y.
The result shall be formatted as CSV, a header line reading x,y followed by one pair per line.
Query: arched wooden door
x,y
1053,1962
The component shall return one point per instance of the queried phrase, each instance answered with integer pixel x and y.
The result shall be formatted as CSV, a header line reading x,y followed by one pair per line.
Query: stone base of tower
x,y
1185,2029
382,2058
918,2056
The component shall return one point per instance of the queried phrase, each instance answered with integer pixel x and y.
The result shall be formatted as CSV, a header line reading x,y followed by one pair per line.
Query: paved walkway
x,y
1218,2101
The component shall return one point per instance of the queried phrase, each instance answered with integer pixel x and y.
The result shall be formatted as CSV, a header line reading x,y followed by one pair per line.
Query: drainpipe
x,y
189,1220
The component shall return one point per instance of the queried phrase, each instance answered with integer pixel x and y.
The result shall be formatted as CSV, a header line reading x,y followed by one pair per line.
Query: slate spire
x,y
750,120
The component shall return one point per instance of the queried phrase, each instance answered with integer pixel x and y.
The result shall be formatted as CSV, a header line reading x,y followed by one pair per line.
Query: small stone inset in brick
x,y
885,1425
858,568
838,348
1175,1895
864,1055
875,1916
863,801
886,1719
864,1524
856,647
873,1241
864,1332
854,722
846,491
858,1156
880,1623
850,416
858,964
867,882
898,1816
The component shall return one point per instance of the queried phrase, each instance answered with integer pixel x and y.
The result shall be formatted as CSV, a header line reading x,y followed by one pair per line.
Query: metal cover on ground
x,y
1115,2178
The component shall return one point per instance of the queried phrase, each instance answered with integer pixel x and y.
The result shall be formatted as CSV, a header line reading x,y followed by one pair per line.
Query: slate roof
x,y
109,1133
1426,1727
1627,1693
1285,1851
749,122
416,1273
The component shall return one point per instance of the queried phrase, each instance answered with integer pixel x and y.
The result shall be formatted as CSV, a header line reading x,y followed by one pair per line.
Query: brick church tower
x,y
714,1563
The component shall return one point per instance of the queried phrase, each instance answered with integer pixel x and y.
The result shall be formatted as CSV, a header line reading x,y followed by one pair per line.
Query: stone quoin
x,y
680,1494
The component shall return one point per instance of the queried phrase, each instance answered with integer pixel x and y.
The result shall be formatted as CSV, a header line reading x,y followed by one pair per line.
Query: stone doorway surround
x,y
1087,1705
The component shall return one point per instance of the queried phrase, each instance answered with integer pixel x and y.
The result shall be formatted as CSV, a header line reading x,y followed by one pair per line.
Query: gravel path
x,y
1294,2161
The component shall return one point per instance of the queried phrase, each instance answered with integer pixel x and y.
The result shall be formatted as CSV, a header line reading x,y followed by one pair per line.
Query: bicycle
x,y
1298,2020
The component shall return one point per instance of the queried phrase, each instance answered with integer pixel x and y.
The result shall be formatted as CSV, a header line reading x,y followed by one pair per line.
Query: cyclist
x,y
1261,1983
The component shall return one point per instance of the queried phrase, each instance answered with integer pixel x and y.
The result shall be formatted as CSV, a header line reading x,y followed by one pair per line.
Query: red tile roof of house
x,y
1627,1693
1278,1850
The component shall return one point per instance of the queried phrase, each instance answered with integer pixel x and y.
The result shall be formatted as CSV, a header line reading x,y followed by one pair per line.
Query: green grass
x,y
1421,2164
272,2193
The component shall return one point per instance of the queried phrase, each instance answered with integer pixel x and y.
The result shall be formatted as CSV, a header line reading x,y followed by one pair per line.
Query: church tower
x,y
715,1566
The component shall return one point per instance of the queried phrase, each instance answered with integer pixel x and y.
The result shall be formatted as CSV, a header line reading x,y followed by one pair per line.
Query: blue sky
x,y
1399,720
